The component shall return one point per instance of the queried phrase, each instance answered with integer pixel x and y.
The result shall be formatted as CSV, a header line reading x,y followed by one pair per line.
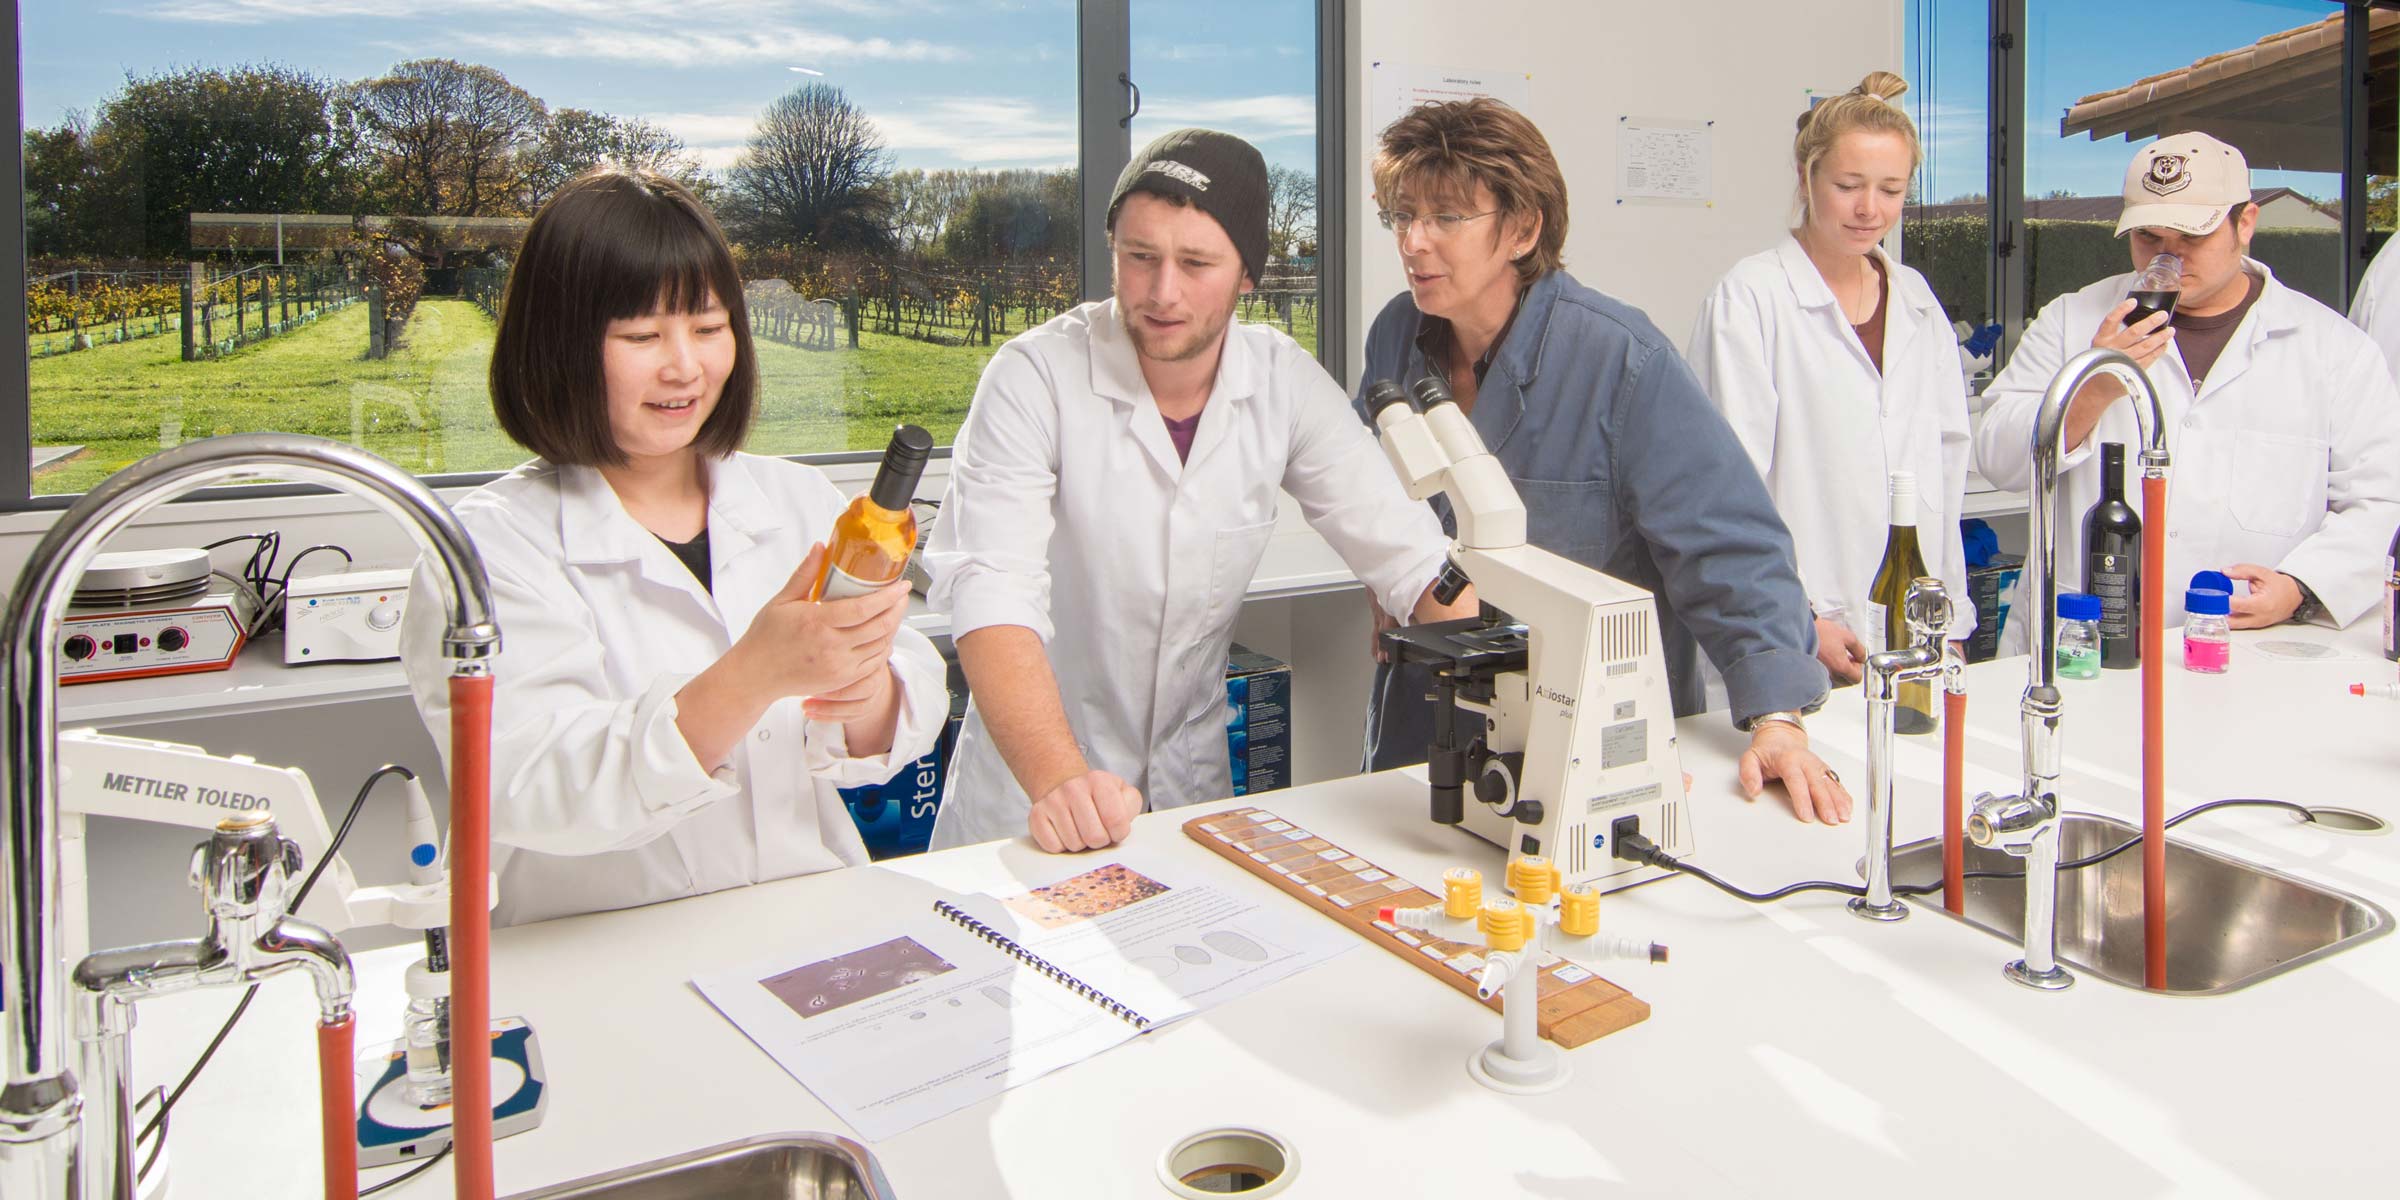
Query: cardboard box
x,y
895,817
1258,720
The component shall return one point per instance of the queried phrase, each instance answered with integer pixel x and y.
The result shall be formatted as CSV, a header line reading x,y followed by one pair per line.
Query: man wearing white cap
x,y
2283,422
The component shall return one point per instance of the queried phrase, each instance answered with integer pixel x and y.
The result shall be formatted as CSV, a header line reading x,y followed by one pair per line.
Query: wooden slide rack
x,y
1577,1005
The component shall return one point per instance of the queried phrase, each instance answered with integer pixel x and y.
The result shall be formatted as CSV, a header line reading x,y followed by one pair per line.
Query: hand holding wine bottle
x,y
822,648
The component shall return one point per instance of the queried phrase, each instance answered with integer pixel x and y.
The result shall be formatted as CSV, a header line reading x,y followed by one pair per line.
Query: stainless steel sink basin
x,y
2229,923
785,1166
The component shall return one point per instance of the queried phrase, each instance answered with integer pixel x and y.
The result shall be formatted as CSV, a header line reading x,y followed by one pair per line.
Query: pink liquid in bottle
x,y
2206,655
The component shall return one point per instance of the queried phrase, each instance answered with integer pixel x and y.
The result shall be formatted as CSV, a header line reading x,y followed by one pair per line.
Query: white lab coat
x,y
1826,429
597,800
2376,308
1069,514
2289,456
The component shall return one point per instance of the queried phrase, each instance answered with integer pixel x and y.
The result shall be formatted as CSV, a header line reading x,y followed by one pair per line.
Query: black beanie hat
x,y
1220,174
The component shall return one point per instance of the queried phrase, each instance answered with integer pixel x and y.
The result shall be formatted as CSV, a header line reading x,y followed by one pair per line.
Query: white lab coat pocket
x,y
1238,552
2277,485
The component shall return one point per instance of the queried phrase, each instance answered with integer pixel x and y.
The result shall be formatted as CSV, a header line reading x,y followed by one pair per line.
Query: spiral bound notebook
x,y
1016,950
927,1012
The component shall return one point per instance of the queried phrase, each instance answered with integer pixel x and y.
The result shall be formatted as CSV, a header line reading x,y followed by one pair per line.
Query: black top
x,y
694,556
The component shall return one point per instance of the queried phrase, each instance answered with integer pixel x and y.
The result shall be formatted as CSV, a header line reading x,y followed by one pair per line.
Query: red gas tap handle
x,y
338,1127
471,935
2154,733
1954,803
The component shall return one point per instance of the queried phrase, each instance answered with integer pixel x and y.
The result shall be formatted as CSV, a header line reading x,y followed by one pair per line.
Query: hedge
x,y
1954,254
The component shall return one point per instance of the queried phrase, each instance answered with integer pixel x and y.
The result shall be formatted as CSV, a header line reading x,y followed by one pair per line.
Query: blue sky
x,y
990,82
2075,48
952,83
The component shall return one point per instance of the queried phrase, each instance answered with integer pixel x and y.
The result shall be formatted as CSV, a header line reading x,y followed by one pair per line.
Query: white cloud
x,y
258,12
1253,118
676,33
983,131
689,48
994,132
716,139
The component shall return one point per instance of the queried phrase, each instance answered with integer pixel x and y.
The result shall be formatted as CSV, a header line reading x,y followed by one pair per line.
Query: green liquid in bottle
x,y
2079,662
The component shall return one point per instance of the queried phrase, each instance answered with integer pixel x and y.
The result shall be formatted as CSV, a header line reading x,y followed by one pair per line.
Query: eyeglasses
x,y
1440,225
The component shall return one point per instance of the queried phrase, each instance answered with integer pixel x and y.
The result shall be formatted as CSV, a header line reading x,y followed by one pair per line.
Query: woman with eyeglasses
x,y
1622,462
1836,366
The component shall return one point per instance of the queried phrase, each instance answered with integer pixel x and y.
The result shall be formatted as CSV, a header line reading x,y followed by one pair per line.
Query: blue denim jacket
x,y
1626,467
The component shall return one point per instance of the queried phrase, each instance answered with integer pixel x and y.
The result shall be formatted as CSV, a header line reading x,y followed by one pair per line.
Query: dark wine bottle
x,y
2391,601
2112,563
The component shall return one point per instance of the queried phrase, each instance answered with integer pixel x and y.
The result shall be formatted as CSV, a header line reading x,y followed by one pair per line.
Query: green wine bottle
x,y
1887,608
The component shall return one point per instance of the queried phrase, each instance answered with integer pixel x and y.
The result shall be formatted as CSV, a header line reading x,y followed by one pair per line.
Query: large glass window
x,y
255,215
1248,67
2102,81
1946,231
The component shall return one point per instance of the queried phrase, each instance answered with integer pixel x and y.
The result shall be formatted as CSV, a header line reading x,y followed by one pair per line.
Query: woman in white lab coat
x,y
1836,367
672,715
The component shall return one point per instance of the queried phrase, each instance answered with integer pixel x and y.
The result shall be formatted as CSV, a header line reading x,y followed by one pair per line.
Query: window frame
x,y
1104,53
2007,146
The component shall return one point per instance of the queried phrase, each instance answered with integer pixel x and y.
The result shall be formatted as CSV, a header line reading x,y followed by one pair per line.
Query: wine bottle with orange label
x,y
873,538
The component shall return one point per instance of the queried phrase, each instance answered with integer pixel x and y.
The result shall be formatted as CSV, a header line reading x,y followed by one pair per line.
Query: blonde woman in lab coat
x,y
1837,367
672,715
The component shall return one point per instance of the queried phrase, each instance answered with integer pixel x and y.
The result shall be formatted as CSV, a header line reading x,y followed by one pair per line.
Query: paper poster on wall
x,y
1399,87
1662,161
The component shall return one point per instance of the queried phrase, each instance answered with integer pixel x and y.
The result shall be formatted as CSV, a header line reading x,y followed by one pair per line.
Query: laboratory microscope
x,y
1553,706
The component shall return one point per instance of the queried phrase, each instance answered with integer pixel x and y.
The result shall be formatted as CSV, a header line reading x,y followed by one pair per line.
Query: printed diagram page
x,y
893,1028
1164,950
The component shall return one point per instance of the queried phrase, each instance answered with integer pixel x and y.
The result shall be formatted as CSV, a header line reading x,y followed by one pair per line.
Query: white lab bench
x,y
1792,1050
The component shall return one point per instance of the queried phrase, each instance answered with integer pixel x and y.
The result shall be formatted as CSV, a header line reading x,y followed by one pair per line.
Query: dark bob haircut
x,y
612,245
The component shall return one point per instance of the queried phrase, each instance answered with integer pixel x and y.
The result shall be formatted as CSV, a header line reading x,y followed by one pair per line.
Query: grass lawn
x,y
426,407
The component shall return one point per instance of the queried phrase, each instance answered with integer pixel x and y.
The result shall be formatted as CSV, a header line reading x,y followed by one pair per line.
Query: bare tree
x,y
575,140
453,136
1291,210
812,176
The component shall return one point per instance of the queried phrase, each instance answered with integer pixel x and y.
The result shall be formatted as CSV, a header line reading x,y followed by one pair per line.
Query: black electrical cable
x,y
279,601
259,569
411,1173
332,848
1637,848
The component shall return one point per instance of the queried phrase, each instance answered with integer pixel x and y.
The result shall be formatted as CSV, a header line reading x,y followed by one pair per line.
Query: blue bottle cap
x,y
2213,580
2208,602
2078,606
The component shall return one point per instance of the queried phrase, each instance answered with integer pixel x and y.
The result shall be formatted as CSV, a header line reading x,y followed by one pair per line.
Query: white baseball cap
x,y
2186,182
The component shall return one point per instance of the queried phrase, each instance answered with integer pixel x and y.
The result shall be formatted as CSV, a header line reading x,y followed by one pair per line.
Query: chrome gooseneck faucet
x,y
42,1105
2026,825
245,875
1927,611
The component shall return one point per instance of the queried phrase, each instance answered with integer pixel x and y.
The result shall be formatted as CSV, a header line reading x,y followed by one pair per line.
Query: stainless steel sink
x,y
785,1166
2229,923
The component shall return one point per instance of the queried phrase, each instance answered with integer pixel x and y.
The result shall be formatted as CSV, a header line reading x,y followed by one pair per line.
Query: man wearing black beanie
x,y
1111,494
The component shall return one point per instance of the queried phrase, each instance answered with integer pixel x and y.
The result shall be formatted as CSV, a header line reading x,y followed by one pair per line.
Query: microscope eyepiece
x,y
1429,391
1383,394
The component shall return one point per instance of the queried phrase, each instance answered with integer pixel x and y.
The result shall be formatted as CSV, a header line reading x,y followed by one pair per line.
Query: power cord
x,y
411,1173
1639,849
283,586
332,848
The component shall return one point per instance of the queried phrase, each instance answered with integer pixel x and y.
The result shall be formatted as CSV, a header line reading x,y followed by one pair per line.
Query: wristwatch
x,y
1787,717
2310,607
